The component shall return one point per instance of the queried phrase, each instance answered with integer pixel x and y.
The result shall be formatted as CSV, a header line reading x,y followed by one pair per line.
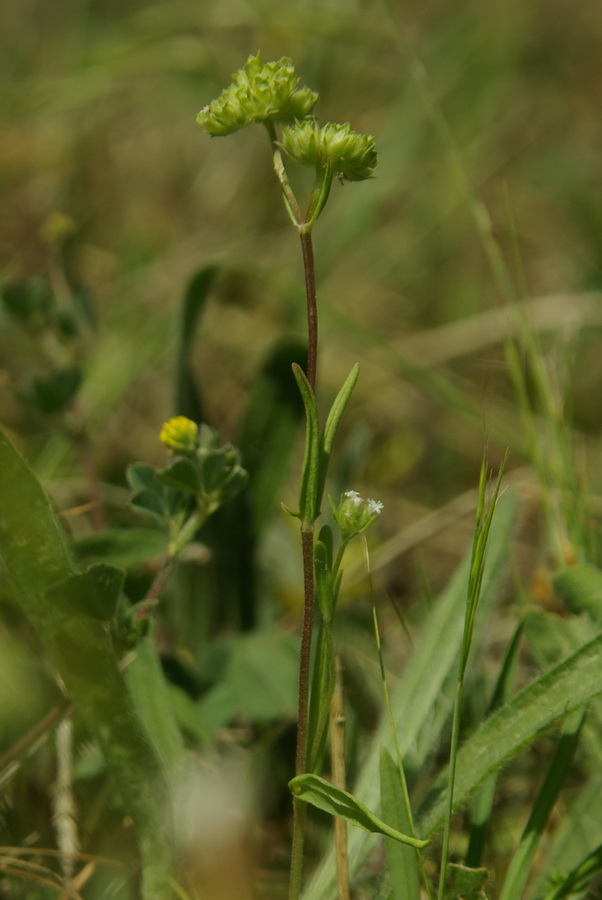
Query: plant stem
x,y
455,738
307,535
307,546
312,310
290,201
299,808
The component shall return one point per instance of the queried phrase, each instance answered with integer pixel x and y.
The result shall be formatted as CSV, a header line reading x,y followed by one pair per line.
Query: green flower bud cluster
x,y
354,515
353,155
259,92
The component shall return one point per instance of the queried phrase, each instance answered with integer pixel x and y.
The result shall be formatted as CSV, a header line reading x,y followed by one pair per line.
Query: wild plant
x,y
101,645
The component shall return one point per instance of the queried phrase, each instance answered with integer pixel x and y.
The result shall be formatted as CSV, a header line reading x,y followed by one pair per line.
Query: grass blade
x,y
558,692
402,860
518,870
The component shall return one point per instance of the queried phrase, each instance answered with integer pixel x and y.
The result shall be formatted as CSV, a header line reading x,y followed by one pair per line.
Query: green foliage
x,y
402,860
35,557
481,195
322,794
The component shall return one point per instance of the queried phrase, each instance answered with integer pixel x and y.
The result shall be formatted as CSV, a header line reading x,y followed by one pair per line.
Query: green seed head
x,y
259,92
353,155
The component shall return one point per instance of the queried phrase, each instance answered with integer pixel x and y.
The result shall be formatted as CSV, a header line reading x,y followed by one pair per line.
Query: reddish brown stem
x,y
308,612
312,310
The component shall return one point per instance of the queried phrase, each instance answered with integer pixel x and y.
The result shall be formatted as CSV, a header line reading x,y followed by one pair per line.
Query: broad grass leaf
x,y
402,861
562,689
35,557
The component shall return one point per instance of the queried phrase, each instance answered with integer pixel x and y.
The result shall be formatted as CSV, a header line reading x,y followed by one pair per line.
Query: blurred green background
x,y
98,123
98,110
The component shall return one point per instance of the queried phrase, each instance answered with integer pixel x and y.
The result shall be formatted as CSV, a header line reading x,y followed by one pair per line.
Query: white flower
x,y
353,514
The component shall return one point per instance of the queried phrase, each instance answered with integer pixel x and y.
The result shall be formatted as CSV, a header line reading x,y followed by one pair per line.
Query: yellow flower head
x,y
179,434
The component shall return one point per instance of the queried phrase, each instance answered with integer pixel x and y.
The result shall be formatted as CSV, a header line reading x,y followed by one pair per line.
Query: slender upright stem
x,y
307,545
455,738
290,201
299,808
307,536
312,309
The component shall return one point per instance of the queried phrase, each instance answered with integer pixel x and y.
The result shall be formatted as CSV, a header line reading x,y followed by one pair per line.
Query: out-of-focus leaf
x,y
53,393
270,430
558,692
580,589
259,681
182,474
188,400
127,547
94,592
401,859
464,883
35,558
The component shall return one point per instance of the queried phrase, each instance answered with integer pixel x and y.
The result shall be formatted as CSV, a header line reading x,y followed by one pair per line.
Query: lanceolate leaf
x,y
534,709
322,794
311,462
402,860
330,429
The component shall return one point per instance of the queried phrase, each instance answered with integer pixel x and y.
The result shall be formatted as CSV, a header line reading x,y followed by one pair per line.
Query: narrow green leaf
x,y
578,878
330,429
532,711
308,494
323,580
517,872
320,793
402,860
482,806
322,687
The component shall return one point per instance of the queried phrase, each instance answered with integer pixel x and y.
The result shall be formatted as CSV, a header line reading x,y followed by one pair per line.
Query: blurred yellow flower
x,y
179,434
